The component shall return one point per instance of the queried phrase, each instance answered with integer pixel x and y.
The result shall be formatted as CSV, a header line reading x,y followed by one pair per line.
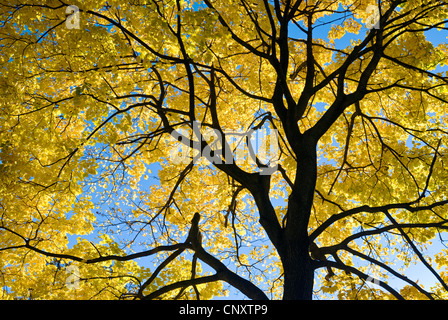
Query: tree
x,y
95,95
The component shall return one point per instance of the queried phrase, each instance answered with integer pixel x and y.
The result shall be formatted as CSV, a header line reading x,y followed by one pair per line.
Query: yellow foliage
x,y
91,173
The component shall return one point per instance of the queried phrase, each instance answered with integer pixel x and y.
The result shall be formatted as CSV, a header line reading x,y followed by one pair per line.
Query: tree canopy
x,y
183,149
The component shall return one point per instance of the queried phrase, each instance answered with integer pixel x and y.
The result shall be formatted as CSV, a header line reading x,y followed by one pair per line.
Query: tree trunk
x,y
298,276
297,263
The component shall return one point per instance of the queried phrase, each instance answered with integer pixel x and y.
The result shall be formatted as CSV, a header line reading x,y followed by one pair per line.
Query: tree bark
x,y
297,264
298,274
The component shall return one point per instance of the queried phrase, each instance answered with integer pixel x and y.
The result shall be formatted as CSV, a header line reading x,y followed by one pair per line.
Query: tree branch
x,y
361,275
389,269
245,286
183,284
407,206
414,247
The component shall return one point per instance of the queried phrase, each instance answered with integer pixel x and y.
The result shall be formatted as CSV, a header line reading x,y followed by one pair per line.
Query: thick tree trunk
x,y
298,276
297,263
